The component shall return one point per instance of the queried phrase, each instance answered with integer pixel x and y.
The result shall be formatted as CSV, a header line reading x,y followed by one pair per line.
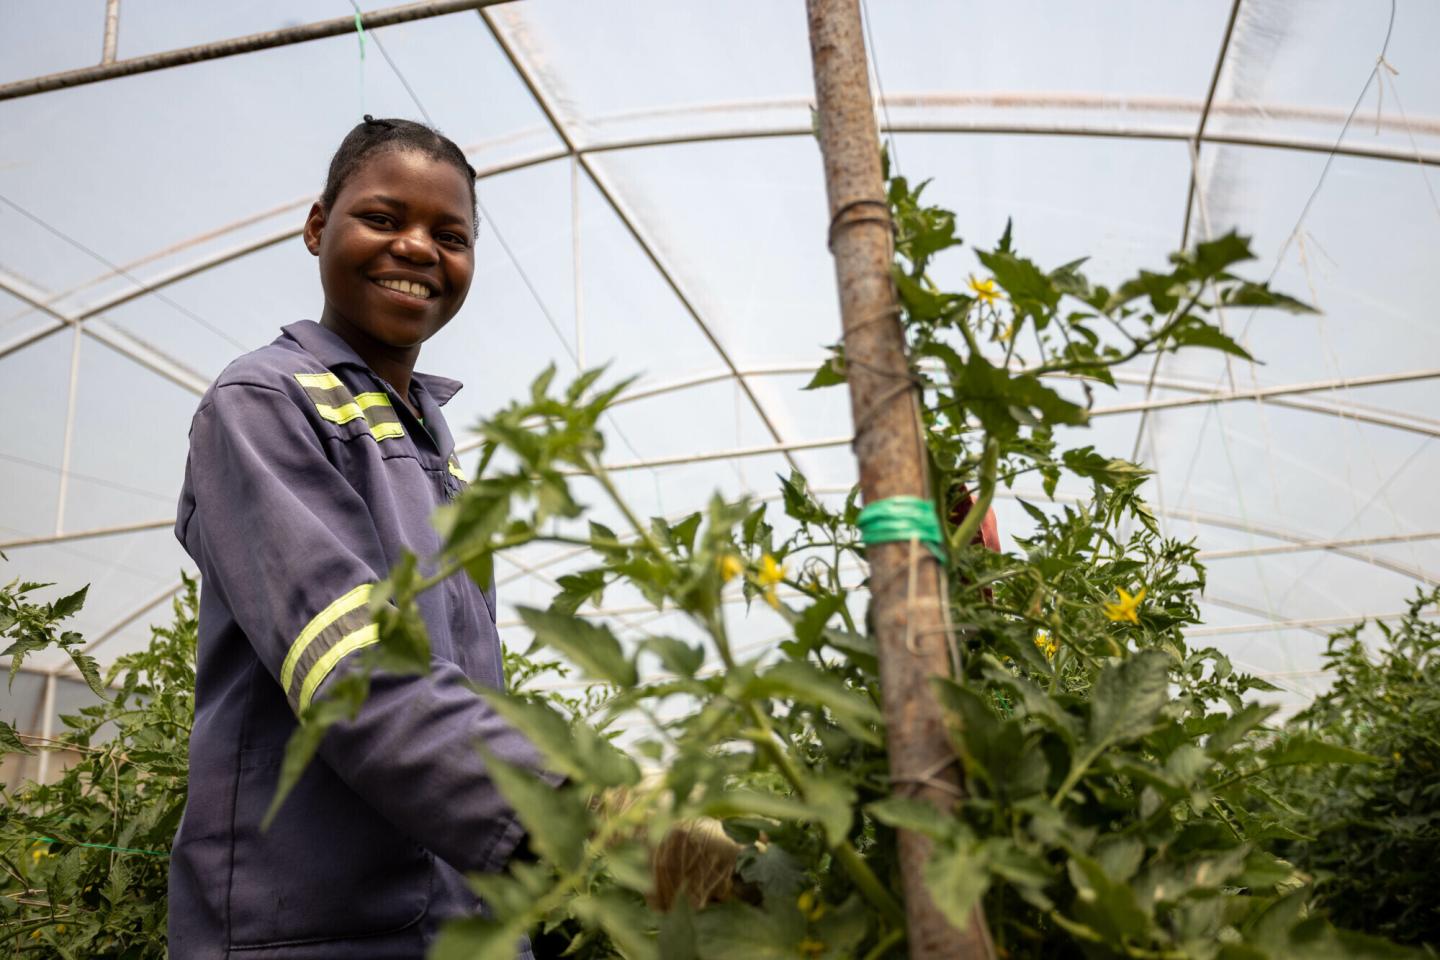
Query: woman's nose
x,y
414,246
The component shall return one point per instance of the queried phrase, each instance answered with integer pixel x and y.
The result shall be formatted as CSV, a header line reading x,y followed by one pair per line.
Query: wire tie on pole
x,y
847,216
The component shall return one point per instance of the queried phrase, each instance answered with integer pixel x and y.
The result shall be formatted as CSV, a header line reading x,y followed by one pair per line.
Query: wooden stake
x,y
908,610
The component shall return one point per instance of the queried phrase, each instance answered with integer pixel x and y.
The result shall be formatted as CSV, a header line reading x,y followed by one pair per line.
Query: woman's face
x,y
396,248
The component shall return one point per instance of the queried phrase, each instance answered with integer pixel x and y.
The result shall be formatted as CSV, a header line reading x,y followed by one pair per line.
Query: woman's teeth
x,y
407,287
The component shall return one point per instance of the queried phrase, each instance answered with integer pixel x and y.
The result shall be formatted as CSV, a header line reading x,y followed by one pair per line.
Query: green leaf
x,y
1236,726
477,938
738,931
917,816
1302,749
578,751
1191,331
1107,906
957,876
774,870
69,605
554,818
591,647
1260,295
624,920
799,679
677,932
1127,698
1031,291
576,589
677,656
1211,258
830,374
10,741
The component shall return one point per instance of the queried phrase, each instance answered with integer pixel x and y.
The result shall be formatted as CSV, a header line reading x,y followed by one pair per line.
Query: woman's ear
x,y
314,226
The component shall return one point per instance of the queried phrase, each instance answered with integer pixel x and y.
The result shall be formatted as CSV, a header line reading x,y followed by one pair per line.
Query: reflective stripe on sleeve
x,y
314,653
453,466
351,642
334,402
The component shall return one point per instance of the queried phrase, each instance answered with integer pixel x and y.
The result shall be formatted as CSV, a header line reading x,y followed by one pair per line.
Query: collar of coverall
x,y
330,350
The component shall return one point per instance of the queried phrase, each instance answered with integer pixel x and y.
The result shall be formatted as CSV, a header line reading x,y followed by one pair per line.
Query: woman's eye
x,y
454,238
379,219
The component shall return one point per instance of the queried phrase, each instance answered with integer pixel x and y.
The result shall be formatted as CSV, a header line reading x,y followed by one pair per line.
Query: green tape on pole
x,y
900,519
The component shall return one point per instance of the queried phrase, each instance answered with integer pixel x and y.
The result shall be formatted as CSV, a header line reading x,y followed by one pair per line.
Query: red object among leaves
x,y
989,532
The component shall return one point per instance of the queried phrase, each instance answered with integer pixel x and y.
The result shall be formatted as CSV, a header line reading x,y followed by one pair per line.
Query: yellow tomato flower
x,y
1046,644
811,948
985,290
810,905
731,567
60,928
771,573
1125,609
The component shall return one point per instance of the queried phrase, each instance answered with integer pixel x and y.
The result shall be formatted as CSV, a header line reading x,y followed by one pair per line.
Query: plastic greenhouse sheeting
x,y
661,208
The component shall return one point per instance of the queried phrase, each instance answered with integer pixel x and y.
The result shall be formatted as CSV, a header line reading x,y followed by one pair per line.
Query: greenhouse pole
x,y
908,609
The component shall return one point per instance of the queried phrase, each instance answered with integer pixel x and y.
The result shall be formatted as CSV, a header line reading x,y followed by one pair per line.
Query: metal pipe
x,y
138,351
1309,545
47,730
234,46
68,436
112,31
92,534
1298,624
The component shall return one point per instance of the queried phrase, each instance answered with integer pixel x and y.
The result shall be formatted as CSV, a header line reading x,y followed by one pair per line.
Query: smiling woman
x,y
315,464
393,231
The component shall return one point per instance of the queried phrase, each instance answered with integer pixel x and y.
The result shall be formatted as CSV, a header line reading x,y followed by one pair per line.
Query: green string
x,y
102,846
898,519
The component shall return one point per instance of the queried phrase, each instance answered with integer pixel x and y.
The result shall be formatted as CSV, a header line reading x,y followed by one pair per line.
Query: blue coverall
x,y
307,479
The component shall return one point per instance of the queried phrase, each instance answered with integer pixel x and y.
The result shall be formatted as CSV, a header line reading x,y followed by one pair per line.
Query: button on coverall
x,y
307,479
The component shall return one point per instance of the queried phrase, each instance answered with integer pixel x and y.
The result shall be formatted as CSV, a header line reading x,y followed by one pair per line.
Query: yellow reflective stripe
x,y
354,599
354,410
387,431
351,642
341,414
325,381
456,472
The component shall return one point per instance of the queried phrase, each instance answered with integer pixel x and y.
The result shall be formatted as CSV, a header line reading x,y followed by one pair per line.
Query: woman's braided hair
x,y
372,135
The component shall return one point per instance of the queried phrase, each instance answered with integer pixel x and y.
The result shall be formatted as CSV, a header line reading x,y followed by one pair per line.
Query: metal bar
x,y
115,531
135,292
47,730
523,70
1265,393
67,442
112,31
1309,545
234,46
150,358
541,157
1305,624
